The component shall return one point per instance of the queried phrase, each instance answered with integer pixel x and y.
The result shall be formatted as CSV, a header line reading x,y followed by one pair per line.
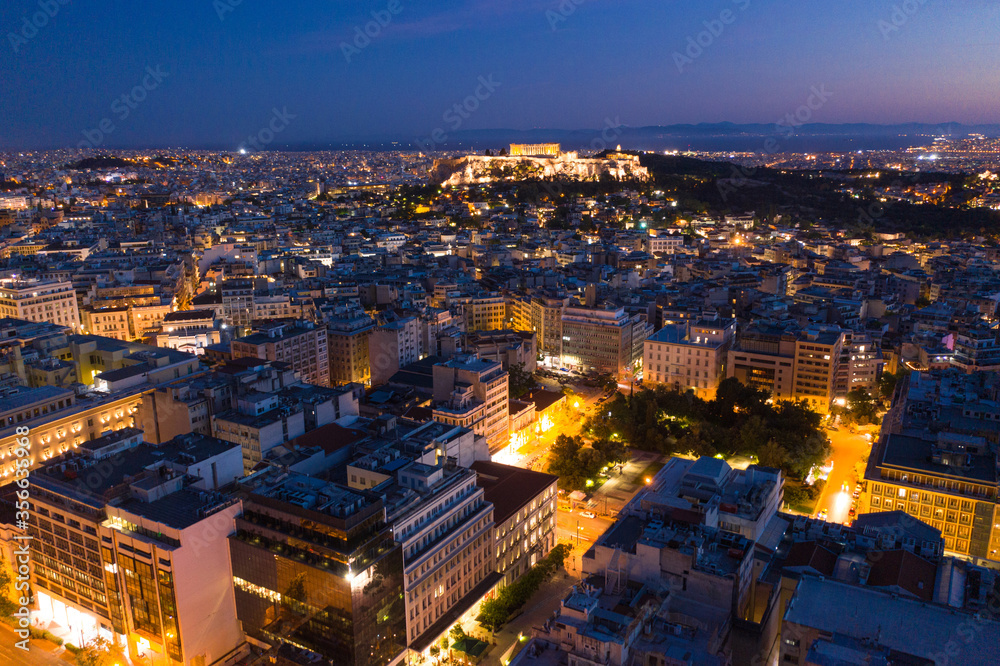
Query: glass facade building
x,y
320,571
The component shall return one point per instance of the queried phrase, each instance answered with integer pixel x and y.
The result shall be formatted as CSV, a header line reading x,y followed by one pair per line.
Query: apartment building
x,y
59,421
302,344
392,346
482,313
691,355
546,322
664,244
237,295
315,565
524,511
260,422
605,341
505,346
40,300
790,363
348,334
473,393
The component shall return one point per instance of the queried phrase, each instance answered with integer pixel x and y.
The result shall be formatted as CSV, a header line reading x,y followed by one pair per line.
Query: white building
x,y
40,300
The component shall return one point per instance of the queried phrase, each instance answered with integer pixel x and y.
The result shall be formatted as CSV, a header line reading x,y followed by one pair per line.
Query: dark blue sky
x,y
604,59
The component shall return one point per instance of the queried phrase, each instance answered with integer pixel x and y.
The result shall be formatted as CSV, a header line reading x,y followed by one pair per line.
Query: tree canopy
x,y
739,420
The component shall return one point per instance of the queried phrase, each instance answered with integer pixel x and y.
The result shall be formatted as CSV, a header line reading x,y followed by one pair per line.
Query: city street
x,y
848,450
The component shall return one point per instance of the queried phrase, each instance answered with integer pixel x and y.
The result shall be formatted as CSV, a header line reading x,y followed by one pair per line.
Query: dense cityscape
x,y
381,382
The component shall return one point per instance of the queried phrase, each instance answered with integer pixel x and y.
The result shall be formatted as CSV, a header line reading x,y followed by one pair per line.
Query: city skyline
x,y
208,74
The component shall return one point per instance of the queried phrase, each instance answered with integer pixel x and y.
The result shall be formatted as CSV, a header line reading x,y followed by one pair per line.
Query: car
x,y
823,514
844,487
588,514
856,494
852,512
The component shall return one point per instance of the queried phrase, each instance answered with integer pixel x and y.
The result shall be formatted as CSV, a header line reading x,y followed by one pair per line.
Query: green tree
x,y
861,406
887,384
520,381
100,652
7,592
772,454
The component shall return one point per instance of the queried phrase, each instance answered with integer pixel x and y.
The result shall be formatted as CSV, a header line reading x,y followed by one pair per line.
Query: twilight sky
x,y
209,73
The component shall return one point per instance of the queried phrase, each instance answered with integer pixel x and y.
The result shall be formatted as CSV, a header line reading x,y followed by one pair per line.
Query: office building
x,y
315,566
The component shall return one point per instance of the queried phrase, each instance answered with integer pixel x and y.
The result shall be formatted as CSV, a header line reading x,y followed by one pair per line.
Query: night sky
x,y
569,64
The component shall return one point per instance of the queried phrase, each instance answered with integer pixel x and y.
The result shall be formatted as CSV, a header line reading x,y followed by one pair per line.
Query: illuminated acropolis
x,y
535,149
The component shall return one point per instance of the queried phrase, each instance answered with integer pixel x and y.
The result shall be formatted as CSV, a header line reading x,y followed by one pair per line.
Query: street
x,y
848,450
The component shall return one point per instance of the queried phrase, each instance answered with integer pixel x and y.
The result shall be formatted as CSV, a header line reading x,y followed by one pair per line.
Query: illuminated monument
x,y
537,161
535,150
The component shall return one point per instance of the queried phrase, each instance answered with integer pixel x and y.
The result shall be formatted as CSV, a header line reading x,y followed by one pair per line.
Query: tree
x,y
887,384
861,407
519,380
772,454
7,605
100,652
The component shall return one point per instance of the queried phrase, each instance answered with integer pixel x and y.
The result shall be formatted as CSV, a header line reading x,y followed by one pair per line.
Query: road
x,y
532,454
848,450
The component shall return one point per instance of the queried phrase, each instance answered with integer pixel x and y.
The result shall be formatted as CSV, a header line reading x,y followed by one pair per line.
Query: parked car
x,y
588,514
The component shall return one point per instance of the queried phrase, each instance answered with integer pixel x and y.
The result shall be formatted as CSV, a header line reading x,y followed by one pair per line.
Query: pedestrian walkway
x,y
542,606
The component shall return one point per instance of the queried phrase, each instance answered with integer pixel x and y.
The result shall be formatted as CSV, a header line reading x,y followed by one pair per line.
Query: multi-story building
x,y
832,621
664,243
606,341
188,331
59,421
860,364
507,347
524,504
482,313
546,322
301,344
130,541
937,459
108,323
392,346
315,566
790,363
348,347
445,528
473,393
40,300
259,423
238,301
691,355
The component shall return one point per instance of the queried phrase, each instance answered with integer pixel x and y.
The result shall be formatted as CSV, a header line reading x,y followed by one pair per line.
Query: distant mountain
x,y
811,137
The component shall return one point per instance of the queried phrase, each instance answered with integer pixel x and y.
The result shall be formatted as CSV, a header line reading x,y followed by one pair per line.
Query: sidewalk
x,y
543,604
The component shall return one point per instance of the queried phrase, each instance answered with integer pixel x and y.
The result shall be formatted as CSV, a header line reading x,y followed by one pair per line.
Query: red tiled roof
x,y
903,569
